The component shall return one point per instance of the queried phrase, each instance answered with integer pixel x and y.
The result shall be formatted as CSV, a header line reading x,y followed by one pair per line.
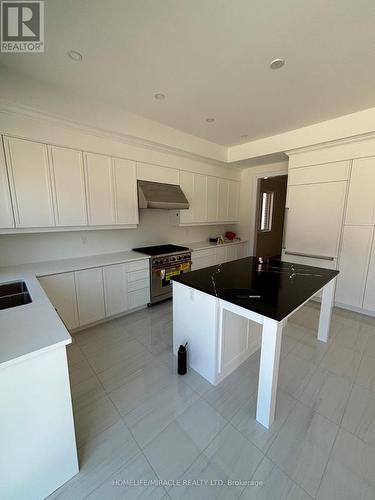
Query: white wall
x,y
154,228
249,179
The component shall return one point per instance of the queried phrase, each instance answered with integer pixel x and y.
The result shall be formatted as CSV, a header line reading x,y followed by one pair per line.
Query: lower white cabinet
x,y
217,255
61,290
90,295
353,265
115,289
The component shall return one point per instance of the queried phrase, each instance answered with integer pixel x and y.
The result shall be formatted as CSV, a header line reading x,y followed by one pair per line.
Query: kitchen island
x,y
227,312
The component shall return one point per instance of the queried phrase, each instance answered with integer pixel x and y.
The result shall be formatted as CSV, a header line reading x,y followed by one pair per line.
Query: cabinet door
x,y
90,295
156,173
361,200
125,186
212,199
187,186
233,200
223,200
6,212
314,219
221,255
60,289
30,183
241,250
200,198
115,289
100,196
369,298
353,265
203,258
69,187
232,252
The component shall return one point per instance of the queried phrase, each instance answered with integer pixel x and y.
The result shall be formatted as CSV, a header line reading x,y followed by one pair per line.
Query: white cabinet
x,y
68,186
221,255
188,187
326,172
115,289
30,183
200,198
223,200
90,295
369,297
361,199
354,258
233,200
99,184
6,212
125,189
314,218
157,173
203,258
60,288
212,199
232,252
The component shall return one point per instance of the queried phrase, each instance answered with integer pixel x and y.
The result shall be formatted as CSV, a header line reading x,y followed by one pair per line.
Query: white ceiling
x,y
211,58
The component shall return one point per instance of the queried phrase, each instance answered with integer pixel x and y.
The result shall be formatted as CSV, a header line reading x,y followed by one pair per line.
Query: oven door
x,y
161,283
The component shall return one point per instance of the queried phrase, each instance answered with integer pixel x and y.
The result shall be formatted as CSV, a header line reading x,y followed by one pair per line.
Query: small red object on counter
x,y
230,235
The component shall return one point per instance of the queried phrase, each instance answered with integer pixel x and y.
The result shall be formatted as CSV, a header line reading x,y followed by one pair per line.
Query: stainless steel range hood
x,y
160,195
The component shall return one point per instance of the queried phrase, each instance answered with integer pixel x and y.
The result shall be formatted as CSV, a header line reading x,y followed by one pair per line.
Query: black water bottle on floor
x,y
181,359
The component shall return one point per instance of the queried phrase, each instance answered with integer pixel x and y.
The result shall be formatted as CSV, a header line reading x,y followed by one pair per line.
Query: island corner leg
x,y
326,310
269,371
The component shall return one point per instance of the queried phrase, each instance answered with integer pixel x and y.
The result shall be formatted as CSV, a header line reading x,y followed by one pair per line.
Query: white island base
x,y
38,448
222,335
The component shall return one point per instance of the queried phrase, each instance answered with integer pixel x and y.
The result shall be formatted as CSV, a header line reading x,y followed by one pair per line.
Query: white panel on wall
x,y
30,182
100,196
69,186
361,199
354,259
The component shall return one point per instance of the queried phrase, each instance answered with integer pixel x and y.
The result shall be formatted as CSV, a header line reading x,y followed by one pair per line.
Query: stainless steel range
x,y
166,261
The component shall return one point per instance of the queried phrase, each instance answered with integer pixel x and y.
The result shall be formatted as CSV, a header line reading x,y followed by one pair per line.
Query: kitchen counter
x,y
34,328
273,289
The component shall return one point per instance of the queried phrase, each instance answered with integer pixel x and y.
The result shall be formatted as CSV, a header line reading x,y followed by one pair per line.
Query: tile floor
x,y
136,419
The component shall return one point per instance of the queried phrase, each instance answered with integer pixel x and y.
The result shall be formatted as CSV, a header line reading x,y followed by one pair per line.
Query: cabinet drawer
x,y
137,265
138,275
138,298
139,284
329,172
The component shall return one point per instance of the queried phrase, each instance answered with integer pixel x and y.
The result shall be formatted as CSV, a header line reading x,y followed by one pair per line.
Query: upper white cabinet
x,y
100,195
314,218
90,295
6,212
30,183
156,173
353,264
68,186
125,189
60,288
212,200
361,199
327,172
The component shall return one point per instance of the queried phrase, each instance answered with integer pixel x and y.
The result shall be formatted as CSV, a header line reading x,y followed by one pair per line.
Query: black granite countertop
x,y
273,289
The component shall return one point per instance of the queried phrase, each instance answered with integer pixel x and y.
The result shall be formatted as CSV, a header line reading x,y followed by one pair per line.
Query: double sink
x,y
13,294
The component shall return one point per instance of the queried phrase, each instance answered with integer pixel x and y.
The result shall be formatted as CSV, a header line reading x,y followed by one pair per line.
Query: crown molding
x,y
12,108
332,144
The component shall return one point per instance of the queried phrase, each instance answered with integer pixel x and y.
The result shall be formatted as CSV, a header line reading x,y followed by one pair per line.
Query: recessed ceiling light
x,y
74,55
210,120
159,96
277,63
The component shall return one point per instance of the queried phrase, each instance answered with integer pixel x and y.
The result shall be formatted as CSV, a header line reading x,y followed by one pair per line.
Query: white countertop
x,y
202,245
33,328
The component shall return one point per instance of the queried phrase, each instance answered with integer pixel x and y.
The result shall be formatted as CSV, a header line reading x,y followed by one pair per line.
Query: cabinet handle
x,y
311,256
284,231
